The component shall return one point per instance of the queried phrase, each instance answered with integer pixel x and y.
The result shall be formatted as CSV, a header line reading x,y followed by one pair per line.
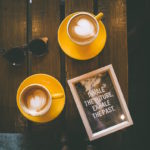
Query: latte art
x,y
35,100
82,28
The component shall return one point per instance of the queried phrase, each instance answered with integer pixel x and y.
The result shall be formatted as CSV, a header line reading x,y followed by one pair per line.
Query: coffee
x,y
35,100
82,28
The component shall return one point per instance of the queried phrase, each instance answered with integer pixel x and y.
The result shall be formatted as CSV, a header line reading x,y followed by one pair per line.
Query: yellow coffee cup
x,y
83,27
35,99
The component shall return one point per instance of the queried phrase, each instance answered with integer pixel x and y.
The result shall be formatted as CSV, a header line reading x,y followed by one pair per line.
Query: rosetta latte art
x,y
37,100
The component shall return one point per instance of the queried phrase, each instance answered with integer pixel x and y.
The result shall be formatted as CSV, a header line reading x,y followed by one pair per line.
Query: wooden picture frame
x,y
100,102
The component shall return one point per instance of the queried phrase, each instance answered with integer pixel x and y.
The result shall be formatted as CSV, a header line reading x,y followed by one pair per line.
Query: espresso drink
x,y
35,99
82,28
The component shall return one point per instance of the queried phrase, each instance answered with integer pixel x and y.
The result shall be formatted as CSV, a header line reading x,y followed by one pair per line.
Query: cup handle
x,y
57,95
99,16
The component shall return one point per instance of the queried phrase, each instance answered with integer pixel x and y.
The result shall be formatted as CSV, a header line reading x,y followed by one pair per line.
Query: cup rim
x,y
42,112
89,14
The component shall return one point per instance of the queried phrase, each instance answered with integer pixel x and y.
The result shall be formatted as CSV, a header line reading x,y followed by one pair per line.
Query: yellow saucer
x,y
53,86
80,52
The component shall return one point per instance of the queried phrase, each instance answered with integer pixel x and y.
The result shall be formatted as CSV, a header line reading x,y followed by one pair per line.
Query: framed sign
x,y
100,102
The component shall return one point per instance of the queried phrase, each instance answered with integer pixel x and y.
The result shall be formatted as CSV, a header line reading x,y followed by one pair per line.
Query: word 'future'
x,y
100,101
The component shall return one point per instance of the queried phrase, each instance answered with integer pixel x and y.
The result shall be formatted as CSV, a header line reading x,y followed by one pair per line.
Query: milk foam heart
x,y
84,28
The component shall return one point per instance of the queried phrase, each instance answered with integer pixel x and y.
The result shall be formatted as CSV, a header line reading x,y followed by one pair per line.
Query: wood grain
x,y
45,22
116,51
13,33
75,68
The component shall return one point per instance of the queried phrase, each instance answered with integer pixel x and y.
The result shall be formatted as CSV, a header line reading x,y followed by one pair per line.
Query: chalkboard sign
x,y
100,102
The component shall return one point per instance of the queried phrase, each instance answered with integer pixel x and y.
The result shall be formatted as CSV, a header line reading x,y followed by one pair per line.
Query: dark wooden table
x,y
46,18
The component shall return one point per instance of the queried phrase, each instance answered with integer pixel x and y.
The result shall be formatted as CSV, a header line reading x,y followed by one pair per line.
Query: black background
x,y
138,19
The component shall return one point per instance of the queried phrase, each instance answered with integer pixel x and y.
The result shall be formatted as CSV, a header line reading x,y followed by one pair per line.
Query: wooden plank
x,y
116,51
13,33
75,68
45,22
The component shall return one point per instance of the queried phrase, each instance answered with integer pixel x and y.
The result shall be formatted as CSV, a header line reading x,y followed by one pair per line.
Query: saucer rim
x,y
71,56
32,118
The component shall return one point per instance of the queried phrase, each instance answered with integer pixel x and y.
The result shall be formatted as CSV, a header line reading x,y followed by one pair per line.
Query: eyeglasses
x,y
16,56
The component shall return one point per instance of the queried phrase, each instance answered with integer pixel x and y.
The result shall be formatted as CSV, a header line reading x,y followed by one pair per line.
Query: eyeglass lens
x,y
15,56
38,47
